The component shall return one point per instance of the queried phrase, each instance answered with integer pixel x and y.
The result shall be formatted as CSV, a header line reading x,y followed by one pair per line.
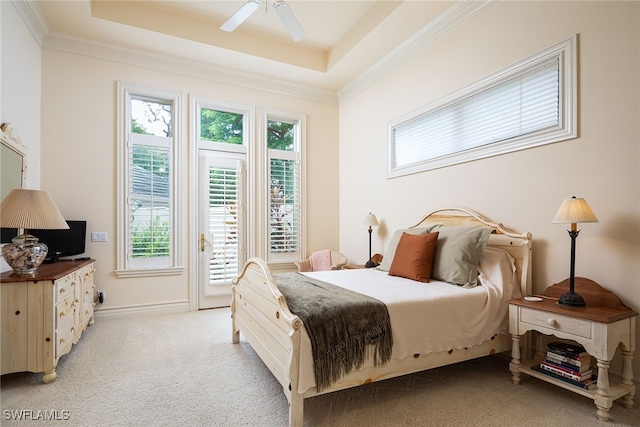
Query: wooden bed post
x,y
235,332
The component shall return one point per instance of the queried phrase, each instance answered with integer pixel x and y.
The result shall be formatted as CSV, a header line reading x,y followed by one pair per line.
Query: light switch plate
x,y
99,236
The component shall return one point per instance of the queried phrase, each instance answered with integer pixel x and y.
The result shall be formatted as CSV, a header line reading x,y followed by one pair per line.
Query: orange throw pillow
x,y
414,256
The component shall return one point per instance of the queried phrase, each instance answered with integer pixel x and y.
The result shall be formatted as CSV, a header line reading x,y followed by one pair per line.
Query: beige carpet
x,y
182,370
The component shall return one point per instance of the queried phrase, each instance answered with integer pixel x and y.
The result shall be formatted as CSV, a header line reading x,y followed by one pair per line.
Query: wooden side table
x,y
600,327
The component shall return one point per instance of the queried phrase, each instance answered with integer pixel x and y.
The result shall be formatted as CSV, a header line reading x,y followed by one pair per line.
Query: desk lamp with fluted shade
x,y
573,211
370,220
28,210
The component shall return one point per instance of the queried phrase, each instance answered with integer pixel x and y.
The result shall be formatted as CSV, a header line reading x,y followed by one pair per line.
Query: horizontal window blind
x,y
149,202
223,224
284,208
521,105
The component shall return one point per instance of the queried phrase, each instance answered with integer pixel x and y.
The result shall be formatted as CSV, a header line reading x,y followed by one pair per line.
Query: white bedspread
x,y
429,317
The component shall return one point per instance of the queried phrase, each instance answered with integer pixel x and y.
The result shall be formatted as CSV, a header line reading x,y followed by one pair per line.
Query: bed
x,y
261,314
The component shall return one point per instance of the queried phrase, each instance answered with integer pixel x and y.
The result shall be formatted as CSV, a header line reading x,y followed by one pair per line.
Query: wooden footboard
x,y
259,311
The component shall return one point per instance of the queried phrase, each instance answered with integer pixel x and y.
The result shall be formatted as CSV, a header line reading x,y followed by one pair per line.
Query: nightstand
x,y
376,258
600,328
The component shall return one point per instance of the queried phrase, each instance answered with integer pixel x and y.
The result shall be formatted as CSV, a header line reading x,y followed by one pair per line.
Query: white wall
x,y
523,190
20,62
79,160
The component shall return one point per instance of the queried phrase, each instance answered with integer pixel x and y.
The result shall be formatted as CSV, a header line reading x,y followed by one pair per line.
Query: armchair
x,y
337,261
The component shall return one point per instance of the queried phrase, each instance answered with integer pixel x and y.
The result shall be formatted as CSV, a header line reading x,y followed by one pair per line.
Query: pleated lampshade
x,y
574,210
30,209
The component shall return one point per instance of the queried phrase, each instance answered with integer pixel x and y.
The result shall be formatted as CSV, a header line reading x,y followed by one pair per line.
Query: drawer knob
x,y
552,322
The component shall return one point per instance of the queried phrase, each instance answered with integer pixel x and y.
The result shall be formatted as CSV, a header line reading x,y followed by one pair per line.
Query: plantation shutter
x,y
527,103
224,220
149,202
284,205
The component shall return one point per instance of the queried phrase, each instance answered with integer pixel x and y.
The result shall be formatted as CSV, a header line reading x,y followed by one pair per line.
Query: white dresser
x,y
43,316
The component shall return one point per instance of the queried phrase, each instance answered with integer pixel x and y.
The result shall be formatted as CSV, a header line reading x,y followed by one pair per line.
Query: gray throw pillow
x,y
457,254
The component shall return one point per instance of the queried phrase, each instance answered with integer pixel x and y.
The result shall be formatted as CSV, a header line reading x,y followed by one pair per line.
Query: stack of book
x,y
570,363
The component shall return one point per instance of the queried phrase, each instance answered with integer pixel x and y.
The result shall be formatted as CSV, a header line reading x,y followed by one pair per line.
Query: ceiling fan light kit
x,y
289,20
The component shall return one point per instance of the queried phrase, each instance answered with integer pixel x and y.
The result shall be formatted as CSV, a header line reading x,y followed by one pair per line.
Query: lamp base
x,y
571,299
24,255
370,264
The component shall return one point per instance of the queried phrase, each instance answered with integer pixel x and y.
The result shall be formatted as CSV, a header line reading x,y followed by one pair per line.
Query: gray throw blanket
x,y
345,327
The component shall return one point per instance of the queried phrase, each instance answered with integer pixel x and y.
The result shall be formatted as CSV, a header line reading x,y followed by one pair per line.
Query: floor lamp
x,y
371,221
573,211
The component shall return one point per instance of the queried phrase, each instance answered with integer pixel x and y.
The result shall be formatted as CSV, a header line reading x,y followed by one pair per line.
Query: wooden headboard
x,y
518,245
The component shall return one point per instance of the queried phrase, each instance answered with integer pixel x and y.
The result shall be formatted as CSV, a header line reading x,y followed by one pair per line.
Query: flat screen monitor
x,y
63,243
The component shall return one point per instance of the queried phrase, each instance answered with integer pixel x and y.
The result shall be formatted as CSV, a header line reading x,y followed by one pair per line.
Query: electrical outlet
x,y
100,297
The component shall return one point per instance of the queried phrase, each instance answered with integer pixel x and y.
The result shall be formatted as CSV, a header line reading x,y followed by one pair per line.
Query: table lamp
x,y
28,210
370,220
573,211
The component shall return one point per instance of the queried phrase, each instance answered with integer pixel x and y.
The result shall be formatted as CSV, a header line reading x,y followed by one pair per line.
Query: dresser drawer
x,y
65,310
65,336
86,275
65,286
556,322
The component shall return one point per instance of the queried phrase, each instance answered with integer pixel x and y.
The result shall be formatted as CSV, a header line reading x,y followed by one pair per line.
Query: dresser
x,y
601,327
44,315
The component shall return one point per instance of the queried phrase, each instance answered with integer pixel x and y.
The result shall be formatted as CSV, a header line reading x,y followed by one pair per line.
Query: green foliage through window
x,y
220,126
151,240
280,135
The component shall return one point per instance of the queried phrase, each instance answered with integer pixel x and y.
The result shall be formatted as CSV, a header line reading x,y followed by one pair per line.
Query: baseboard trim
x,y
151,308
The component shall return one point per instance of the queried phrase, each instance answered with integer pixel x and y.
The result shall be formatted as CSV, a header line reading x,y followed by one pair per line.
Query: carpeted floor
x,y
182,370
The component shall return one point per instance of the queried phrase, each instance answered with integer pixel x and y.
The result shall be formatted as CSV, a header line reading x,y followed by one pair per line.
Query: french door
x,y
222,213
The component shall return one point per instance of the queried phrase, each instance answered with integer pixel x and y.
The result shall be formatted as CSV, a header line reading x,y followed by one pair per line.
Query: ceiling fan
x,y
281,8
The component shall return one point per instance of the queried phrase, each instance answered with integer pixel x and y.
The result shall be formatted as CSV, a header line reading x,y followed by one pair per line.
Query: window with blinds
x,y
223,224
531,103
284,190
149,196
147,170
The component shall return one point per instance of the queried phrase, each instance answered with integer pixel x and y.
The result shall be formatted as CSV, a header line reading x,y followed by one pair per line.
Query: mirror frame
x,y
10,139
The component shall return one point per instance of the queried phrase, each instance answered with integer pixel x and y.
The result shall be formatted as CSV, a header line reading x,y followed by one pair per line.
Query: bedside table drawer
x,y
557,322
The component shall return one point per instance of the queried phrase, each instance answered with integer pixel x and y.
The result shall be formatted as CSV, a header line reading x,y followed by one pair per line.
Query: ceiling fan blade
x,y
289,20
241,15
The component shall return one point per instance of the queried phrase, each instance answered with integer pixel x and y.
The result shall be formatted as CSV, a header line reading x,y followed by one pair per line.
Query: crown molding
x,y
33,19
190,68
430,33
451,18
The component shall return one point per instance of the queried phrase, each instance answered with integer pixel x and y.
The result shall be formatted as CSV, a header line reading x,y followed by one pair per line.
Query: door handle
x,y
204,243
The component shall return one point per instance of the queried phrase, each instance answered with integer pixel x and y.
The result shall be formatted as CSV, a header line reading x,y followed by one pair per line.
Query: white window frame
x,y
245,151
298,154
565,52
123,266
